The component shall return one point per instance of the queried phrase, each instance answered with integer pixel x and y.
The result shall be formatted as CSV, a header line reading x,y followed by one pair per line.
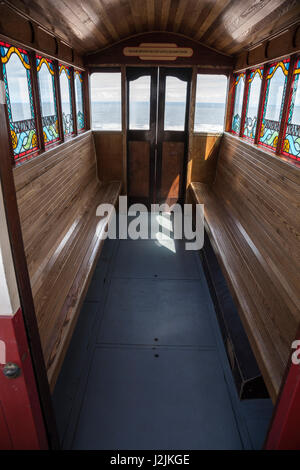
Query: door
x,y
157,134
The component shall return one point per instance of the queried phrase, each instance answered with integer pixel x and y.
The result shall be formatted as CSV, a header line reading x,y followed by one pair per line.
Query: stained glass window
x,y
66,99
253,95
239,86
291,142
45,73
18,89
273,104
78,81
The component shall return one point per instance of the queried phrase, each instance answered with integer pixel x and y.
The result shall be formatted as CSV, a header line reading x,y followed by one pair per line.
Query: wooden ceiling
x,y
226,25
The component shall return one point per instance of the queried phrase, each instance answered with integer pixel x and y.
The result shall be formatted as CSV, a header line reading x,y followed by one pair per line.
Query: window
x,y
239,86
253,95
17,80
175,104
66,99
273,104
139,103
106,101
291,142
78,82
45,73
210,103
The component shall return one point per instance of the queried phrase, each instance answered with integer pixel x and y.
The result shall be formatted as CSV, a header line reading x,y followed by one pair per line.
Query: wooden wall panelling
x,y
20,29
60,237
139,169
261,192
204,156
171,171
23,281
110,155
202,56
270,49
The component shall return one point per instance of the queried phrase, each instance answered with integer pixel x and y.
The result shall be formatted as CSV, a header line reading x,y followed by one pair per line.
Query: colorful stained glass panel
x,y
253,95
78,82
291,142
18,89
239,86
273,103
45,73
66,100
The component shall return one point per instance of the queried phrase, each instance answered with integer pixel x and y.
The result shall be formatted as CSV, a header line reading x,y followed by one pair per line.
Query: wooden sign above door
x,y
158,51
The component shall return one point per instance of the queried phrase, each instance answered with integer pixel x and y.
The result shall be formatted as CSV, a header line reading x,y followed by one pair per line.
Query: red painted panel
x,y
284,430
22,425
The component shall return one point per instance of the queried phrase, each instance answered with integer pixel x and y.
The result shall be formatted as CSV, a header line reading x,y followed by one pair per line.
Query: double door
x,y
157,134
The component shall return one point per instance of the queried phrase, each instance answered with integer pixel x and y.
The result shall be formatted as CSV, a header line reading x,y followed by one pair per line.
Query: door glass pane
x,y
45,73
139,103
66,101
175,104
106,101
210,103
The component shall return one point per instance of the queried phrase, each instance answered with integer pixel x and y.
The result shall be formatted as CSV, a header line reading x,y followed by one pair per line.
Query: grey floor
x,y
146,368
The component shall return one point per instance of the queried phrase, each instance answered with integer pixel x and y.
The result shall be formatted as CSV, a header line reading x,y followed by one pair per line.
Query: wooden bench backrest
x,y
261,192
50,190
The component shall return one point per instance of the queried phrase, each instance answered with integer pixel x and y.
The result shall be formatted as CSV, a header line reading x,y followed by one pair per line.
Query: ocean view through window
x,y
210,103
106,101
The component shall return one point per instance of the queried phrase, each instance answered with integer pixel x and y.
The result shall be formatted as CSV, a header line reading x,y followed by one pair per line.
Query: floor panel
x,y
162,312
152,399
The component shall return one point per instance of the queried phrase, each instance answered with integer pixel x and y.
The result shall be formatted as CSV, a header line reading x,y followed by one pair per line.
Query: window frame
x,y
80,72
263,109
292,90
212,132
240,74
18,159
254,70
32,53
285,106
96,70
59,138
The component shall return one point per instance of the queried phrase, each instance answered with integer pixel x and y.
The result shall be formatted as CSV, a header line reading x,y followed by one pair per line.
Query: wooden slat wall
x,y
203,155
109,151
261,192
54,193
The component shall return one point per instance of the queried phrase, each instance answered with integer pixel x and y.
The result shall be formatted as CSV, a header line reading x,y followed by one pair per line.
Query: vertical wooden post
x,y
244,105
191,126
58,100
124,125
36,100
86,100
261,104
230,103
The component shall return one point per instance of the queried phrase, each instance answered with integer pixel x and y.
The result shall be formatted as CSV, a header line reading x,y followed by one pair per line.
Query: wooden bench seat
x,y
58,195
252,219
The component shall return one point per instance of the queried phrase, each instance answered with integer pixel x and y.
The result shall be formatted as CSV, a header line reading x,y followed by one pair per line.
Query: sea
x,y
209,117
